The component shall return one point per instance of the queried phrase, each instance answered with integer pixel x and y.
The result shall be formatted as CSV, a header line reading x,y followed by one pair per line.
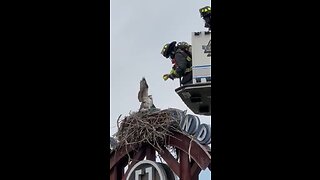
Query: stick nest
x,y
146,127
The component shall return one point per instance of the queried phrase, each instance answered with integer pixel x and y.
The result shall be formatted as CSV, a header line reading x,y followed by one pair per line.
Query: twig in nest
x,y
189,150
118,121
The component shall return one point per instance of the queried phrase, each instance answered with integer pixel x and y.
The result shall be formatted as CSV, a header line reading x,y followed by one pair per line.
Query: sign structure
x,y
191,125
150,170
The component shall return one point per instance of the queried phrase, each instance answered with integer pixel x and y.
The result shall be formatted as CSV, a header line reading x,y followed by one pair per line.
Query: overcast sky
x,y
139,29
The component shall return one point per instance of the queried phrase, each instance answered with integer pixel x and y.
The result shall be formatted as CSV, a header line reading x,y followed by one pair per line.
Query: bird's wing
x,y
151,103
143,93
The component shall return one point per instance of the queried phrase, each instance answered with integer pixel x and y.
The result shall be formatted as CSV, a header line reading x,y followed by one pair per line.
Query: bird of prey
x,y
143,96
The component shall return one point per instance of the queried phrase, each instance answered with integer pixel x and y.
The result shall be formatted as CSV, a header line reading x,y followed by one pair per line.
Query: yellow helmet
x,y
205,10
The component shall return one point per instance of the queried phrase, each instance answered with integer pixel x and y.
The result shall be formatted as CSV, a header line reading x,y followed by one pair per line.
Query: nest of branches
x,y
146,127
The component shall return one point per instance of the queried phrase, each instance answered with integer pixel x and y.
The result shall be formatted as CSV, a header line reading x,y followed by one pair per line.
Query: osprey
x,y
143,97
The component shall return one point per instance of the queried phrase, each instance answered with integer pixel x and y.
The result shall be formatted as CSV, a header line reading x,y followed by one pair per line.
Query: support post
x,y
185,170
150,153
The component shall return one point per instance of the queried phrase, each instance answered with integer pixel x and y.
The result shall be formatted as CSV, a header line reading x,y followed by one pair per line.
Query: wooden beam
x,y
120,167
185,166
150,153
113,173
198,152
171,161
116,156
138,156
120,172
195,170
195,177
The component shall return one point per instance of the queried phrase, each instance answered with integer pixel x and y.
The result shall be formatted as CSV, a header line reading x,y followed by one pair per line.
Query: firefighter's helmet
x,y
168,49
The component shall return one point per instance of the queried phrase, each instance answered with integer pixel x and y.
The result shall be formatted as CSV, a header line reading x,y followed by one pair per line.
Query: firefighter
x,y
181,58
205,13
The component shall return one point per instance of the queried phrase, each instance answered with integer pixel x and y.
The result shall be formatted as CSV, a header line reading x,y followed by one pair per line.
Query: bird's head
x,y
150,96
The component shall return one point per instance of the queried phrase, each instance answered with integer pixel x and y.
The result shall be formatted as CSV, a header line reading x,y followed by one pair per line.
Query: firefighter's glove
x,y
167,76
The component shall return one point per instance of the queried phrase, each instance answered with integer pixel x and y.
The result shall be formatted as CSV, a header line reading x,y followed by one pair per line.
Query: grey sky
x,y
139,29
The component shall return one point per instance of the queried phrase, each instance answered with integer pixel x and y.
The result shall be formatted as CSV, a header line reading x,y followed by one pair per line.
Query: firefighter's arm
x,y
173,74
